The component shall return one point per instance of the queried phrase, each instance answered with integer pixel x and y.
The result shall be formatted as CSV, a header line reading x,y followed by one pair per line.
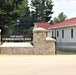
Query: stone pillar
x,y
50,45
39,35
0,36
43,45
39,40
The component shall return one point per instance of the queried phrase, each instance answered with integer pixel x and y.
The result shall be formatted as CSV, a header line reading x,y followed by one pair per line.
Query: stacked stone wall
x,y
42,45
17,50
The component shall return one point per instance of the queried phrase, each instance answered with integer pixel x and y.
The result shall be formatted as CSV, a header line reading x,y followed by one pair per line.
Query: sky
x,y
66,6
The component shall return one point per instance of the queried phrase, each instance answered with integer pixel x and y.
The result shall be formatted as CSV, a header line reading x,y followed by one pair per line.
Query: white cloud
x,y
66,6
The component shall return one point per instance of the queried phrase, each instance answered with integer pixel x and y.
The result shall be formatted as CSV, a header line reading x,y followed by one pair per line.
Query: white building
x,y
64,32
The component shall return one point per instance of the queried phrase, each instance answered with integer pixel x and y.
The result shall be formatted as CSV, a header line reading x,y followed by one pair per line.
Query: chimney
x,y
51,22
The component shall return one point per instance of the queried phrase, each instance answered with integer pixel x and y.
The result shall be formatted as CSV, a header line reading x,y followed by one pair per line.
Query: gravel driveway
x,y
37,65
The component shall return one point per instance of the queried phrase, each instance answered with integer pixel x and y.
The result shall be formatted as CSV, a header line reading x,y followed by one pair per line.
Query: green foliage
x,y
43,10
56,20
65,51
25,23
61,17
31,31
10,11
13,10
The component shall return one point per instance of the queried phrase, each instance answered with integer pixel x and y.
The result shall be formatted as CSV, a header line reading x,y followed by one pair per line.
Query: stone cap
x,y
16,44
50,39
39,30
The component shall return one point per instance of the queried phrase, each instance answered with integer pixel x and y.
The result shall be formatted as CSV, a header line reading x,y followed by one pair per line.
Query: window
x,y
46,34
62,33
52,33
71,33
57,33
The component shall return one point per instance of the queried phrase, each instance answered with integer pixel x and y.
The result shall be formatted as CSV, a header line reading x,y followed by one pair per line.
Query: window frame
x,y
52,33
71,33
62,33
57,33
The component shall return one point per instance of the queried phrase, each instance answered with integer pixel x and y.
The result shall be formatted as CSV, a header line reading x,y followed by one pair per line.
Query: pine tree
x,y
43,10
10,11
61,17
25,22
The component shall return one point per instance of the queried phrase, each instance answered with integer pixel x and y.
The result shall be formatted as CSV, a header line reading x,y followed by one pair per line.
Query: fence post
x,y
0,36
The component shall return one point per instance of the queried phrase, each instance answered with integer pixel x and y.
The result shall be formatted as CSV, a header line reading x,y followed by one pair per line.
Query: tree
x,y
25,23
10,11
42,10
61,17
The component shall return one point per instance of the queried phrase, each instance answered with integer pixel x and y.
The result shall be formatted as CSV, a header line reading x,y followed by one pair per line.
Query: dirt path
x,y
37,65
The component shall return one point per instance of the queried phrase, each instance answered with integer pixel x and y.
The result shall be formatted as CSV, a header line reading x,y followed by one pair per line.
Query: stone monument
x,y
43,44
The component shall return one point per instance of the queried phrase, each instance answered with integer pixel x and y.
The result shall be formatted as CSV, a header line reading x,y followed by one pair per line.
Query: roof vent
x,y
51,22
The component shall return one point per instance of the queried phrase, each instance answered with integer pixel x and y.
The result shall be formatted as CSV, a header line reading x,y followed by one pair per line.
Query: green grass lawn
x,y
65,51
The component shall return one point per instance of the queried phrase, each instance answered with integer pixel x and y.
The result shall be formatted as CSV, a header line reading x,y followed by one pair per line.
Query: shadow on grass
x,y
65,51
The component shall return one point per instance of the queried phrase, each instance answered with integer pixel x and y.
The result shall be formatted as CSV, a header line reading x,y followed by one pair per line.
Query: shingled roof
x,y
68,22
43,25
